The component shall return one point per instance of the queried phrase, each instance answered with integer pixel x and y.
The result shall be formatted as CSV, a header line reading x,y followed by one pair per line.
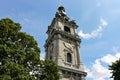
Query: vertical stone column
x,y
78,53
61,74
80,64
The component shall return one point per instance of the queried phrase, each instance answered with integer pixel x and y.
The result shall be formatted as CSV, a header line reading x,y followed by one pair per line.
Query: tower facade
x,y
63,45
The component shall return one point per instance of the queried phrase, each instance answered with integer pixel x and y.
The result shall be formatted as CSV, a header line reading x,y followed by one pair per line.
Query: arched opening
x,y
50,57
67,29
69,58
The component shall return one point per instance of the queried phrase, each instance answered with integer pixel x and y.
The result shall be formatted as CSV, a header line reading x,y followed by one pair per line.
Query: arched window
x,y
50,57
69,58
67,29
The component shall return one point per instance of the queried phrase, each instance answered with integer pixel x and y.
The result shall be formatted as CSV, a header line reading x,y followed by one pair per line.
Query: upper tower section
x,y
63,24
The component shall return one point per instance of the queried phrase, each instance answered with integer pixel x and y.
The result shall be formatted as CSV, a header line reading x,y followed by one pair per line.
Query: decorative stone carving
x,y
68,46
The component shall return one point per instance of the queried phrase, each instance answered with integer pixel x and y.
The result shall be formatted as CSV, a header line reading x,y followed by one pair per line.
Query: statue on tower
x,y
61,13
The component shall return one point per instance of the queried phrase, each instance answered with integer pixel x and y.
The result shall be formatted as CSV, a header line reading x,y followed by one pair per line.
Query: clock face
x,y
68,46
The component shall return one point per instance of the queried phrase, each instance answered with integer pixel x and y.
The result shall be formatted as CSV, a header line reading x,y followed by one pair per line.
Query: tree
x,y
49,70
19,52
115,68
20,55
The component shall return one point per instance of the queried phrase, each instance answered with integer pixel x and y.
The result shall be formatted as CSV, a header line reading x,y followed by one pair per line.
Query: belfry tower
x,y
63,45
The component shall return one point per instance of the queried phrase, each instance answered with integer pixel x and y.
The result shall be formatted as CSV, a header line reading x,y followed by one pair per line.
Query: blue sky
x,y
98,22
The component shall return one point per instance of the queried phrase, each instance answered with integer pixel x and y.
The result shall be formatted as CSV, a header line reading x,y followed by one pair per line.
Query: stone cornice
x,y
62,33
73,70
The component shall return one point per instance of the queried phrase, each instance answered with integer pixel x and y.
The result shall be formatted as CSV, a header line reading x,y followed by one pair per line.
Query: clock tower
x,y
63,45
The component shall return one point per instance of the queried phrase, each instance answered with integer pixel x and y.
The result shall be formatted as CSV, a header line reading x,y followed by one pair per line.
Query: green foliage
x,y
115,68
19,52
20,55
49,70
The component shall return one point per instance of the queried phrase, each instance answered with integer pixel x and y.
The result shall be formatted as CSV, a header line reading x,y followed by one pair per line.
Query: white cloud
x,y
99,71
94,33
108,59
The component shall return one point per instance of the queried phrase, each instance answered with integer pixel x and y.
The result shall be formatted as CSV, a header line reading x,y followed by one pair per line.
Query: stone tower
x,y
63,45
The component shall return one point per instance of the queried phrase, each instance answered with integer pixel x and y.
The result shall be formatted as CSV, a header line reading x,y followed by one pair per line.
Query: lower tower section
x,y
71,74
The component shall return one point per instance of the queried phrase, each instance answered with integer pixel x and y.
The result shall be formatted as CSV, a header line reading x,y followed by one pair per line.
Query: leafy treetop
x,y
115,68
19,52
